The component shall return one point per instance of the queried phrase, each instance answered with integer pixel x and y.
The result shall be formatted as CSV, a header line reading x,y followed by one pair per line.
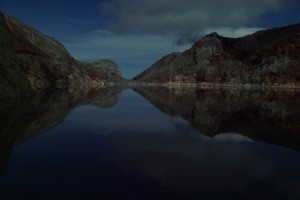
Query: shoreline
x,y
214,85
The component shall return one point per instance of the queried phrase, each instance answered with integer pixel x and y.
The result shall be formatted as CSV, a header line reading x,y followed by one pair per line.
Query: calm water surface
x,y
152,144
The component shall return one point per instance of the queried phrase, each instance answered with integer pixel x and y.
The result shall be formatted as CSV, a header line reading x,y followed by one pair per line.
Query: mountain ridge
x,y
265,58
31,62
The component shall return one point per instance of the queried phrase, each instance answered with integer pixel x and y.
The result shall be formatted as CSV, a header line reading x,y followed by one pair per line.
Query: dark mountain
x,y
31,62
265,58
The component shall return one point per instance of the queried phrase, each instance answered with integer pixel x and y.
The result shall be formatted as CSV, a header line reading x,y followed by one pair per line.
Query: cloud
x,y
233,32
189,38
187,20
186,38
189,16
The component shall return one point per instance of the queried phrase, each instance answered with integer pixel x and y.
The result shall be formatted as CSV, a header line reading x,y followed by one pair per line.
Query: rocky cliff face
x,y
269,58
31,61
108,68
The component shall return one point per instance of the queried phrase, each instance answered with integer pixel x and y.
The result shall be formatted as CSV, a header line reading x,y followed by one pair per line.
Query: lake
x,y
151,143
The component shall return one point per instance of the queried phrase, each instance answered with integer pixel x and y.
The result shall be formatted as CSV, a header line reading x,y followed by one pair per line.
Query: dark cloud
x,y
186,38
156,16
185,20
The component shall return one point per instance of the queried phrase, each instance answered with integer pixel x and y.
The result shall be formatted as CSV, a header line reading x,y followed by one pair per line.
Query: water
x,y
152,144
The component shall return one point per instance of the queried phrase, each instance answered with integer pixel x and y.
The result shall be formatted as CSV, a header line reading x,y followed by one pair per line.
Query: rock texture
x,y
108,68
269,58
31,61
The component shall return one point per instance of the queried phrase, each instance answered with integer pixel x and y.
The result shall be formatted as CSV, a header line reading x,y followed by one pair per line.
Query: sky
x,y
137,33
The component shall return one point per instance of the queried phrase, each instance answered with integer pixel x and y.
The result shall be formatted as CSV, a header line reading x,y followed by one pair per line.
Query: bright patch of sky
x,y
136,33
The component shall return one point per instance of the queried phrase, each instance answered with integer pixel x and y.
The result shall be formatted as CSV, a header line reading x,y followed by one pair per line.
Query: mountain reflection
x,y
25,119
139,152
268,116
264,115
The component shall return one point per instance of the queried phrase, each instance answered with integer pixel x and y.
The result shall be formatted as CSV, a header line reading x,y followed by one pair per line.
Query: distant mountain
x,y
269,58
31,62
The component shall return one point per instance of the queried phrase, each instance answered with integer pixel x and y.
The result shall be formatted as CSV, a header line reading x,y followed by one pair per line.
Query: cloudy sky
x,y
136,33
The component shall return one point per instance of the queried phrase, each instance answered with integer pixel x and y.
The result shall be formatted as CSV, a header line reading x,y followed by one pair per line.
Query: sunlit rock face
x,y
264,115
32,62
268,58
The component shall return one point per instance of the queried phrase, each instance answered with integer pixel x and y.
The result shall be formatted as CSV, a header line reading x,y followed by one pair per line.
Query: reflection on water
x,y
212,144
25,119
268,116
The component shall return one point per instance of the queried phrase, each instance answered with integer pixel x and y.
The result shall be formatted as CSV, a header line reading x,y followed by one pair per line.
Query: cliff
x,y
265,58
31,62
